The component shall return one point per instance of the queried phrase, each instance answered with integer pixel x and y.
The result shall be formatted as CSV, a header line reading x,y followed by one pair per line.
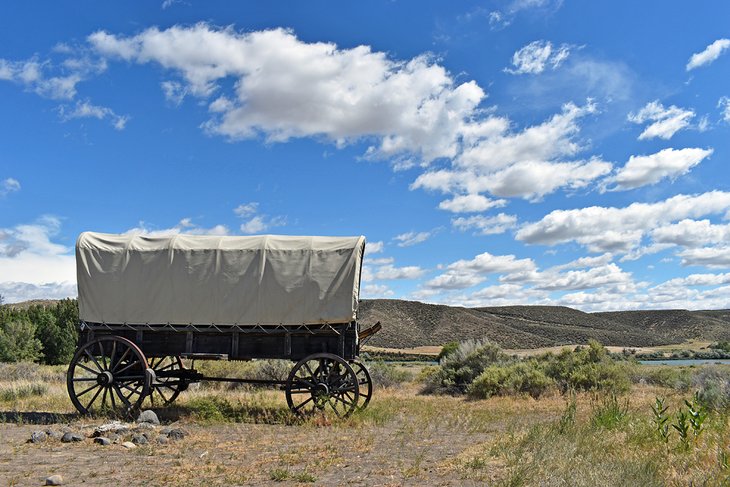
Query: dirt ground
x,y
405,440
241,454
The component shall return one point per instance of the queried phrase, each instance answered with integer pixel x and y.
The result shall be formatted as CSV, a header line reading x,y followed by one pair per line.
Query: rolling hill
x,y
408,324
411,324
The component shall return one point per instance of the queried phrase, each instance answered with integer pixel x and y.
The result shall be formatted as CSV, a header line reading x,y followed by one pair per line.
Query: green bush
x,y
588,368
459,369
446,350
18,341
55,328
517,378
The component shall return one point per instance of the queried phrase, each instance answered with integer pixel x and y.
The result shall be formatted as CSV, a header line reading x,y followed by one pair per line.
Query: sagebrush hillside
x,y
412,324
408,324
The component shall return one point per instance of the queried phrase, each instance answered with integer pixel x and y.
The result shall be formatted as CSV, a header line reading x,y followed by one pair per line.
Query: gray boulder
x,y
102,441
54,480
38,437
69,437
148,416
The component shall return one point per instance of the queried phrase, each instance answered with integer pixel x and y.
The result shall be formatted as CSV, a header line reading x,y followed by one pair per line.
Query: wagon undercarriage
x,y
122,368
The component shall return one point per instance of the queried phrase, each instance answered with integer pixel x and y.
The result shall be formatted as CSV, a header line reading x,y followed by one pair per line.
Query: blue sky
x,y
492,152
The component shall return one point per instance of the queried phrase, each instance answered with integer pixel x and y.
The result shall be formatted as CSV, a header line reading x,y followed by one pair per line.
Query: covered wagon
x,y
150,306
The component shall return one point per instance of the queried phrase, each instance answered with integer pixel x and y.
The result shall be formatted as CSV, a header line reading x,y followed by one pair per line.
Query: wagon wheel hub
x,y
321,390
105,378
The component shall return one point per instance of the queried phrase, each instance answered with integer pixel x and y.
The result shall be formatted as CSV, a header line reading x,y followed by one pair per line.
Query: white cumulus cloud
x,y
665,122
710,257
30,260
710,54
255,222
286,88
667,163
608,229
470,203
536,56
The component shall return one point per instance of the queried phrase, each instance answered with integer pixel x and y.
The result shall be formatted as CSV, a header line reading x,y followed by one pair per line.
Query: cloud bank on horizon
x,y
601,189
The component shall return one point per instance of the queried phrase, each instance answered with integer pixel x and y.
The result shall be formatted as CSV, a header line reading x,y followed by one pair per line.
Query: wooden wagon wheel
x,y
364,381
168,383
322,382
109,373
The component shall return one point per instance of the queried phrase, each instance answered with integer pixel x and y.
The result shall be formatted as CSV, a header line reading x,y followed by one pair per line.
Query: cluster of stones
x,y
145,431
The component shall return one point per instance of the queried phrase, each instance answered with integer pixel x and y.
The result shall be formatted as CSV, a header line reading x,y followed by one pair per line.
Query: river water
x,y
680,362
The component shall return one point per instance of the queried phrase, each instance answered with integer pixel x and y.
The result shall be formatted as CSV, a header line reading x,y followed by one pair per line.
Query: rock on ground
x,y
139,439
102,441
68,437
38,437
54,480
148,416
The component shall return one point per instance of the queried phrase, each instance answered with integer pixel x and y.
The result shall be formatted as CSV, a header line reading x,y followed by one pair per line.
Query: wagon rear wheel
x,y
108,374
169,381
364,381
322,382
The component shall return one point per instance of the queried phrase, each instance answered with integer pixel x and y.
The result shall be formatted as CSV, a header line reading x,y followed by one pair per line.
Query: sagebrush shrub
x,y
713,387
517,378
460,367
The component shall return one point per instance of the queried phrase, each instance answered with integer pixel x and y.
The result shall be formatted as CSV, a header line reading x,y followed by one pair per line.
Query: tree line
x,y
45,334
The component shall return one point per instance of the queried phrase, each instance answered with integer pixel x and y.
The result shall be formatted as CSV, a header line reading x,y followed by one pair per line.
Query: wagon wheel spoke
x,y
302,404
93,359
87,369
87,390
129,365
121,359
113,354
94,398
101,356
159,391
111,397
124,399
103,397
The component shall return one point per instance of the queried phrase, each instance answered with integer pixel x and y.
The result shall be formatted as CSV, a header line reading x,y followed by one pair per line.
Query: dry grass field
x,y
239,436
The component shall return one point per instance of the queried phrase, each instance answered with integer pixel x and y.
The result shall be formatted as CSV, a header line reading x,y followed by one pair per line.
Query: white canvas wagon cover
x,y
192,279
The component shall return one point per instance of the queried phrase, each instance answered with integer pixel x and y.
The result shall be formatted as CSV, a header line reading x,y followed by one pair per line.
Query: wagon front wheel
x,y
108,374
322,382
